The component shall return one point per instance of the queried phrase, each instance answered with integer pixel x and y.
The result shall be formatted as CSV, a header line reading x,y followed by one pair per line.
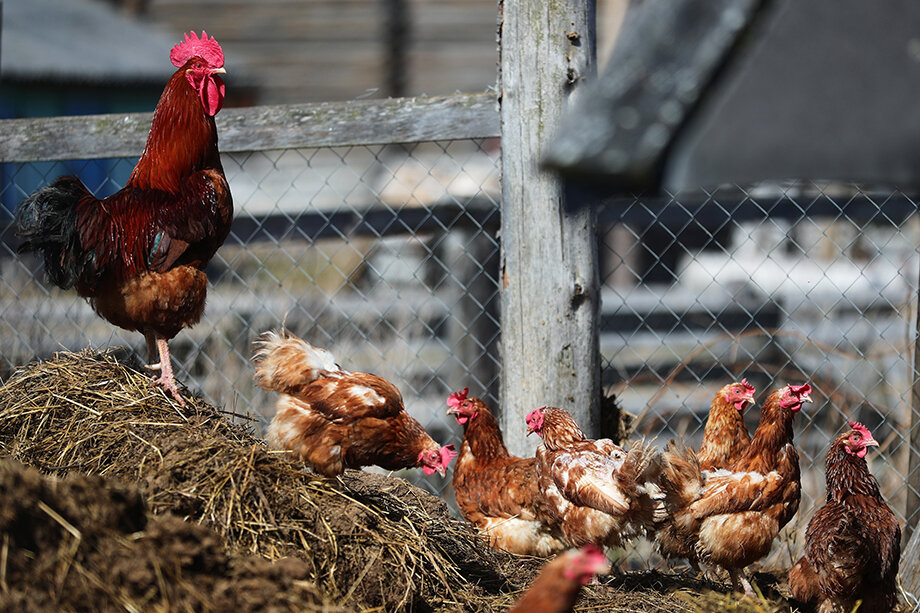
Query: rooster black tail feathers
x,y
47,223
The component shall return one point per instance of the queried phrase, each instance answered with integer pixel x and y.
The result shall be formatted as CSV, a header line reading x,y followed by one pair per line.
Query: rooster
x,y
496,491
853,542
138,256
333,419
726,435
599,492
556,588
731,517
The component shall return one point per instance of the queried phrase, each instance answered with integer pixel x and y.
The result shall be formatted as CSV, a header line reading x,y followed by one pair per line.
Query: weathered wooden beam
x,y
549,280
909,573
328,124
912,510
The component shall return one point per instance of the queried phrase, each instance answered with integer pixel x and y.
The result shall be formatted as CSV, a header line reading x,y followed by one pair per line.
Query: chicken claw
x,y
166,380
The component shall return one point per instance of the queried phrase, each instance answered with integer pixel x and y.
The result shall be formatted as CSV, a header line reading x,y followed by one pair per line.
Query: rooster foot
x,y
169,385
166,379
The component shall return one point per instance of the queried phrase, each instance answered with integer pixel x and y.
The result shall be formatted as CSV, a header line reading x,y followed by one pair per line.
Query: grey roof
x,y
81,41
815,90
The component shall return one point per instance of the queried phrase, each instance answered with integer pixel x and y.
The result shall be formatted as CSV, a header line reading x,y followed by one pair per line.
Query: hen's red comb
x,y
534,414
204,47
447,454
864,431
456,398
750,389
800,390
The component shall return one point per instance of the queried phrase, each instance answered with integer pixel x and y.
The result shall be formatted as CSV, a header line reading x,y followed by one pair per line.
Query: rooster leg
x,y
151,352
166,379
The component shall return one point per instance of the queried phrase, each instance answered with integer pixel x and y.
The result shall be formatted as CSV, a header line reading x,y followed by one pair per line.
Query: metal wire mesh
x,y
385,255
388,256
793,283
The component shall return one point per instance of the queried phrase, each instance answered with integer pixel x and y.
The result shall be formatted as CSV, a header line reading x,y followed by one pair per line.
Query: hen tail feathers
x,y
285,363
47,223
682,479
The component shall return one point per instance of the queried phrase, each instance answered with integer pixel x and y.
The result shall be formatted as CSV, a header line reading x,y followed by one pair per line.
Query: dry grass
x,y
367,541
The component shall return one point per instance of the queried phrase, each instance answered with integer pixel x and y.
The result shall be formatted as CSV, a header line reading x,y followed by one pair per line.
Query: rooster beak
x,y
220,70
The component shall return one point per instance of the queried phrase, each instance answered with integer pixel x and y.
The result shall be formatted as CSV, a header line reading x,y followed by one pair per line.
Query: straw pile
x,y
147,506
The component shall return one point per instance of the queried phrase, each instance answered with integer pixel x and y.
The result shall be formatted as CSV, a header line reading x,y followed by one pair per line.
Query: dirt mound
x,y
195,513
92,547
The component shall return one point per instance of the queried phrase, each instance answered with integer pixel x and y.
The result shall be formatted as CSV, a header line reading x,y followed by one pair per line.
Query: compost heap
x,y
115,498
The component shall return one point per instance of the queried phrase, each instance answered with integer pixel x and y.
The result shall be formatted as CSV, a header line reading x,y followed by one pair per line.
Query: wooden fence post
x,y
912,510
550,289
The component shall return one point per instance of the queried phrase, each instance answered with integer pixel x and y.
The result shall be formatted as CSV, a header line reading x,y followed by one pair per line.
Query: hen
x,y
333,419
736,513
496,491
556,588
853,542
138,256
726,435
599,492
724,440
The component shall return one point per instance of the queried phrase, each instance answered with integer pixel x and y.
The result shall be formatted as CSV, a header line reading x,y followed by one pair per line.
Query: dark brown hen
x,y
853,542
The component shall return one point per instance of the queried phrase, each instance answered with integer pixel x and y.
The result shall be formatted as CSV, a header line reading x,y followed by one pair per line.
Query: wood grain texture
x,y
370,122
912,511
549,274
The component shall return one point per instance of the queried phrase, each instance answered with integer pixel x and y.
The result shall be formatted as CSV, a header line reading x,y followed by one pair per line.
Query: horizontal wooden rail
x,y
327,124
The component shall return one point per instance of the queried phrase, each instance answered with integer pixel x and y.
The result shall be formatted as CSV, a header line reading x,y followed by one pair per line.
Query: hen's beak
x,y
871,443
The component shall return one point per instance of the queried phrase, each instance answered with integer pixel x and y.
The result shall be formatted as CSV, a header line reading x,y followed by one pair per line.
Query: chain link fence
x,y
780,284
385,255
388,256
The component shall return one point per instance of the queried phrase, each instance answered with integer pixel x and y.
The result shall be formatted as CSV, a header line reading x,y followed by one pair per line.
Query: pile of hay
x,y
145,505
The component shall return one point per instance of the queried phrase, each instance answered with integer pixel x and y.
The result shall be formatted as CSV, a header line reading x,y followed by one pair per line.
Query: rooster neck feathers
x,y
182,139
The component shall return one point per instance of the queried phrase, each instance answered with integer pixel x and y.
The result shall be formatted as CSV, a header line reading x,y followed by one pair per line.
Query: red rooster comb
x,y
204,47
864,431
456,398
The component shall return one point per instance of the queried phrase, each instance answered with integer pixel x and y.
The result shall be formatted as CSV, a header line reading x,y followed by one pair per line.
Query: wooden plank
x,y
370,122
666,60
912,510
550,288
909,573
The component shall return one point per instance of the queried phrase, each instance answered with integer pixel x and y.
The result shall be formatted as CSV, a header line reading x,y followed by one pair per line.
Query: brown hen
x,y
333,419
726,436
599,492
496,491
556,588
